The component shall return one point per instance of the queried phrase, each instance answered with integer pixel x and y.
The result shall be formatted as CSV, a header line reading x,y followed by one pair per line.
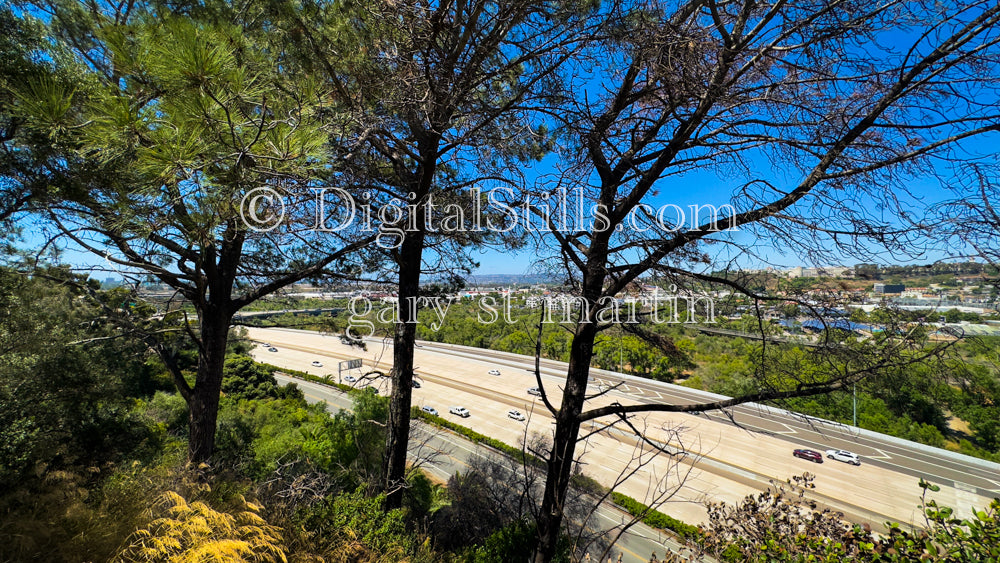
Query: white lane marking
x,y
789,430
883,456
963,487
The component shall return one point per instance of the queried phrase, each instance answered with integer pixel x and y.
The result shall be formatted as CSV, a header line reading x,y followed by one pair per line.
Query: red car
x,y
811,455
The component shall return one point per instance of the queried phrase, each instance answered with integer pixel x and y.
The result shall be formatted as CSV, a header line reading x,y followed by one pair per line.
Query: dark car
x,y
811,455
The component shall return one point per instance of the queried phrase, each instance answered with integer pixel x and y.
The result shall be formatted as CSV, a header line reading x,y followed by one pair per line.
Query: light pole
x,y
855,393
620,355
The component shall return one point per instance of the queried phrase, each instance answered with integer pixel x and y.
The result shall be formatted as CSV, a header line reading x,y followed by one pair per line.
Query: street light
x,y
619,355
855,393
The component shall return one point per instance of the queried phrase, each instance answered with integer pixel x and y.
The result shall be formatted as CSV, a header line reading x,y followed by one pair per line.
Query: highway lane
x,y
730,468
456,453
971,474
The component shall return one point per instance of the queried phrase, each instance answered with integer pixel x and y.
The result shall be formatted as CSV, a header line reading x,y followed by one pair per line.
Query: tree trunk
x,y
203,406
560,463
404,337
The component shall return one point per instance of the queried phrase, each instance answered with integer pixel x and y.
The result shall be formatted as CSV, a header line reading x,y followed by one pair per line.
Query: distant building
x,y
820,272
889,288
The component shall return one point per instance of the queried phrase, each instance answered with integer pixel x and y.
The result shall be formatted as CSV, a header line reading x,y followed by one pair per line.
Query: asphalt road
x,y
727,464
940,467
454,454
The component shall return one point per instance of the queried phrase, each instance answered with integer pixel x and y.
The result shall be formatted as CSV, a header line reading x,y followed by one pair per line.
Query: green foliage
x,y
66,392
655,518
638,357
243,378
169,410
514,542
357,528
255,437
422,496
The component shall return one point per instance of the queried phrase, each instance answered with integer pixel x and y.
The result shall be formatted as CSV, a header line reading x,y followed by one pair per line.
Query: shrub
x,y
655,518
244,378
354,527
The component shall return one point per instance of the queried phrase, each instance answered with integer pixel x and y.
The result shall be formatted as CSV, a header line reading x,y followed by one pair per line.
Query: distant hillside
x,y
510,279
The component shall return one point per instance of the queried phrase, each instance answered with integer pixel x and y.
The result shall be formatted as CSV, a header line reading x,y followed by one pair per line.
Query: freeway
x,y
455,453
910,458
726,462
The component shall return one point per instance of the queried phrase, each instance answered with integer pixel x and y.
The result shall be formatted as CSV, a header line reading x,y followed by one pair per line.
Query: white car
x,y
515,414
317,364
844,456
429,410
459,411
350,378
494,372
266,345
535,391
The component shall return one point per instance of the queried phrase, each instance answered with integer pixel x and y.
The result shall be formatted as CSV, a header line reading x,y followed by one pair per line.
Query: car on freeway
x,y
811,455
535,391
429,410
460,411
350,378
317,364
515,414
266,345
272,349
844,456
416,384
494,372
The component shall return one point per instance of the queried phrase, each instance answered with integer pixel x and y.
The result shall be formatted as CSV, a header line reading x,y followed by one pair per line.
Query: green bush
x,y
655,518
354,518
587,484
515,542
168,410
243,378
256,436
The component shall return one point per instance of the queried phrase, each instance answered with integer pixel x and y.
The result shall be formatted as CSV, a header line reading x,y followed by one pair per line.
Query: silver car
x,y
515,414
844,456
